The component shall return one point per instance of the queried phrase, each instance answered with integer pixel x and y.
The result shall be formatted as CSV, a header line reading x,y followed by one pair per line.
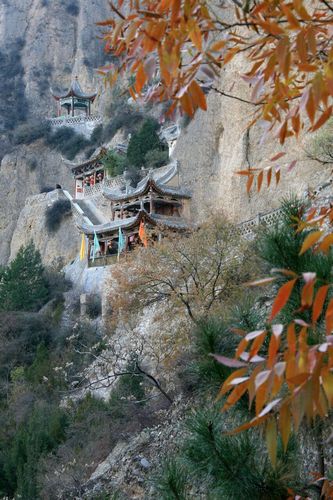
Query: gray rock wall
x,y
22,178
57,248
216,144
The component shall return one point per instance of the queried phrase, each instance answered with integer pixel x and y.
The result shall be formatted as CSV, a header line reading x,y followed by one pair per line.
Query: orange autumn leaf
x,y
198,95
329,318
249,183
318,303
282,298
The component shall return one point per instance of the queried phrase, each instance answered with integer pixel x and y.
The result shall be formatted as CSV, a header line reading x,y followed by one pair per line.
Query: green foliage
x,y
97,135
41,368
13,104
279,247
211,336
20,336
235,467
26,133
171,482
43,431
23,286
114,163
89,407
143,141
246,314
56,213
67,141
131,386
156,158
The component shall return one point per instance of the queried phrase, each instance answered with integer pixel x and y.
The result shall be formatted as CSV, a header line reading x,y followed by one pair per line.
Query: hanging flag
x,y
96,247
83,247
121,242
142,234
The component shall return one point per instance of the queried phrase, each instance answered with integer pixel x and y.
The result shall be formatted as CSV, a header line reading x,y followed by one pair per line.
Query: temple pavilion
x,y
157,203
88,174
74,101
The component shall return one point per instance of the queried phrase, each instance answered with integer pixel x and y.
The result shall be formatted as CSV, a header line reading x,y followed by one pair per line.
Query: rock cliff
x,y
216,144
43,43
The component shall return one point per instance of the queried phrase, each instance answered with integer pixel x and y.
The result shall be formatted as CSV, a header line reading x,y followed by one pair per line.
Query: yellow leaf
x,y
326,243
285,425
271,440
195,34
310,240
217,46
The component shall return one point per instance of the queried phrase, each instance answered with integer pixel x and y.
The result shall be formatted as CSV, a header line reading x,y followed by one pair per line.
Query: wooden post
x,y
72,106
151,204
89,109
121,211
112,211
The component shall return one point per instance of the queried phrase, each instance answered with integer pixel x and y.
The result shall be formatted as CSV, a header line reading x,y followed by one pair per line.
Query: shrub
x,y
32,164
143,141
20,335
73,8
13,104
211,336
132,385
30,132
114,163
97,135
156,158
56,213
94,306
279,247
235,467
42,433
67,141
171,483
46,189
23,286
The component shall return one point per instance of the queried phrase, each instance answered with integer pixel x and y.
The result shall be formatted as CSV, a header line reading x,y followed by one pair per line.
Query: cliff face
x,y
54,40
43,43
26,172
216,144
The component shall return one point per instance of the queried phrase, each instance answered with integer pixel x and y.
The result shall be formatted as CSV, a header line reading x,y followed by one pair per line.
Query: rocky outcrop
x,y
25,172
216,144
58,40
57,247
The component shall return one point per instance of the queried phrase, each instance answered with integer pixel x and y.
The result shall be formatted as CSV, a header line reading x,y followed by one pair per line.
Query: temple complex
x,y
74,101
88,174
157,203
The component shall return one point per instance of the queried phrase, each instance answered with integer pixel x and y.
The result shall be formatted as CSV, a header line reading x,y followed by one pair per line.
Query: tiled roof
x,y
157,182
177,223
75,90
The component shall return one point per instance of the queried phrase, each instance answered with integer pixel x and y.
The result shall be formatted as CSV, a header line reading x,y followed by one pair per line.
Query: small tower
x,y
74,99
